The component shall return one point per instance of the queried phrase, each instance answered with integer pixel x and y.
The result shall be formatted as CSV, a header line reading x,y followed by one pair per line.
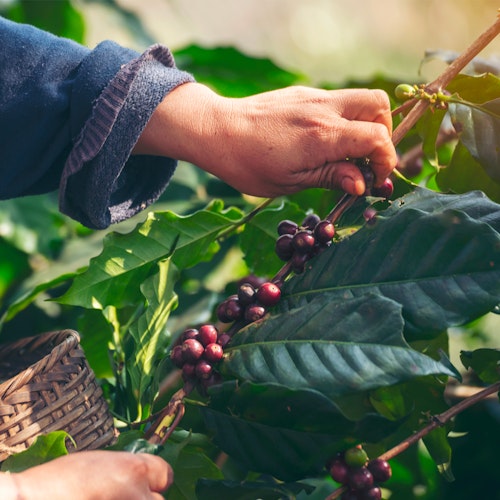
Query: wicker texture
x,y
48,385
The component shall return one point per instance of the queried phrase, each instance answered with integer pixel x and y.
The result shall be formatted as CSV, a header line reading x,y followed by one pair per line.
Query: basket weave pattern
x,y
48,385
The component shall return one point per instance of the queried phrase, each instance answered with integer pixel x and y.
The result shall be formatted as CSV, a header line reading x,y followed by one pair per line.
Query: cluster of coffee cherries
x,y
299,243
360,476
198,352
250,303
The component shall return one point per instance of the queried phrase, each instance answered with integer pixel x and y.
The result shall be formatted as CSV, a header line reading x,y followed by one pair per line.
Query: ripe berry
x,y
385,190
213,353
370,216
374,493
246,294
230,310
287,227
311,221
284,247
355,457
339,471
298,262
303,241
188,371
254,312
191,350
203,369
190,333
350,495
223,339
176,356
324,231
207,334
380,469
269,294
368,175
360,478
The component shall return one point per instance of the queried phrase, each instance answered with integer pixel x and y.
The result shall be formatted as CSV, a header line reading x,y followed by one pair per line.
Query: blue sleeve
x,y
70,117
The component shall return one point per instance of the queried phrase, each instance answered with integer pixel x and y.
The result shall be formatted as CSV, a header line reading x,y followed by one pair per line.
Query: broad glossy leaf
x,y
479,130
46,447
439,449
114,277
149,334
464,174
436,255
484,362
286,454
333,346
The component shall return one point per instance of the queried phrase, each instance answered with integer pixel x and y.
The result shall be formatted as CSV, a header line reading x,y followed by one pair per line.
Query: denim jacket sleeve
x,y
70,117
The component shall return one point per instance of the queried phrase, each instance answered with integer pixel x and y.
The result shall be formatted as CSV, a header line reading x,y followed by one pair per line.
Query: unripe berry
x,y
311,221
203,369
213,353
269,294
380,469
254,313
284,247
287,227
191,350
385,190
324,231
355,457
360,478
404,91
370,216
246,294
303,241
207,334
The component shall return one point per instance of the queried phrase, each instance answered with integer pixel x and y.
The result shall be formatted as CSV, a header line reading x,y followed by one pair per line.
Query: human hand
x,y
95,475
276,142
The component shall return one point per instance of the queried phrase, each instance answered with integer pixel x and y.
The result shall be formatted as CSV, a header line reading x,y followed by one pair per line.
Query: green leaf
x,y
464,174
484,362
149,334
114,277
46,447
428,128
479,129
333,346
424,251
439,449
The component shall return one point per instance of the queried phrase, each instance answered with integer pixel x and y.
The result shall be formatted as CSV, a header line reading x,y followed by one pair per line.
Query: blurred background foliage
x,y
240,48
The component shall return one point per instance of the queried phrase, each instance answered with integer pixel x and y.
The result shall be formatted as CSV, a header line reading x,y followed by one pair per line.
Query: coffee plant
x,y
296,347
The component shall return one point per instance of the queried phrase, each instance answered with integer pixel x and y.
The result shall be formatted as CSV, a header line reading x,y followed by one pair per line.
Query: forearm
x,y
9,489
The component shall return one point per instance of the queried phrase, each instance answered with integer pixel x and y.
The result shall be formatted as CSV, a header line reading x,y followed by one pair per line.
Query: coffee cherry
x,y
246,294
380,469
284,247
203,369
176,356
287,227
191,350
324,231
213,353
311,221
367,172
385,190
404,91
370,216
303,241
207,334
355,457
223,339
298,262
360,478
254,312
269,294
350,495
339,471
188,371
230,310
190,333
253,280
373,493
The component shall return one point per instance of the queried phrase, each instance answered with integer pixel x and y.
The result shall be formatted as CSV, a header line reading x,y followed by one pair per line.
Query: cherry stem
x,y
435,422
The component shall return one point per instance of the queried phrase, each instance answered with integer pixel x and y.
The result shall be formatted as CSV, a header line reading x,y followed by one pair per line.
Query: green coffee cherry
x,y
405,91
355,457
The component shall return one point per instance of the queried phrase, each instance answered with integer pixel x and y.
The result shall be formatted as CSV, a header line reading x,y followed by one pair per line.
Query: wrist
x,y
9,487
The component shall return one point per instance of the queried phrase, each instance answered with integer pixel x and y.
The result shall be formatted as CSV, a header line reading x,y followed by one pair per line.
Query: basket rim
x,y
67,339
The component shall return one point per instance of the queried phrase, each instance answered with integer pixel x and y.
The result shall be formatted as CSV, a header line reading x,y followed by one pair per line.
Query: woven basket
x,y
48,385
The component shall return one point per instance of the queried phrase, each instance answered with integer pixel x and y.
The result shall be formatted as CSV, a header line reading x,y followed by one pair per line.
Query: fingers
x,y
159,473
365,105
